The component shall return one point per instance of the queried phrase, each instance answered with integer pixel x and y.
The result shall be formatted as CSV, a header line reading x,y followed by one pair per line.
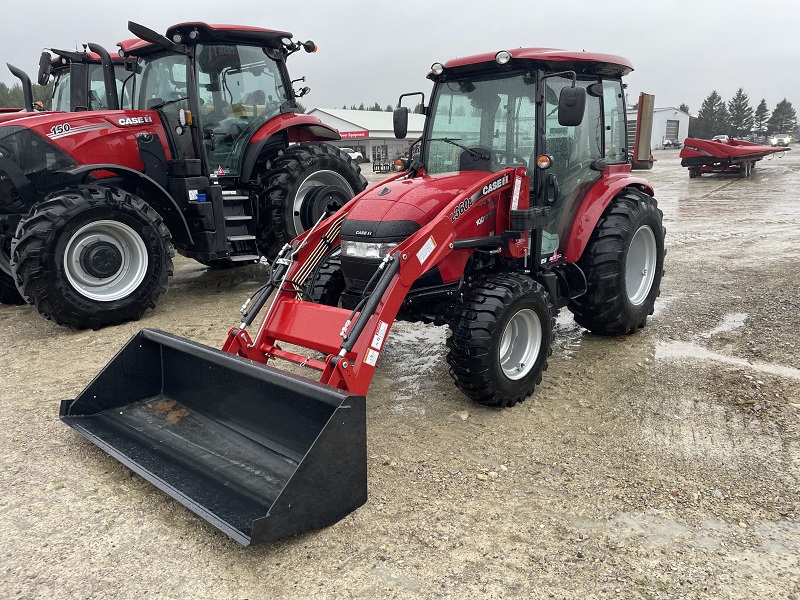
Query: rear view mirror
x,y
400,120
44,68
571,105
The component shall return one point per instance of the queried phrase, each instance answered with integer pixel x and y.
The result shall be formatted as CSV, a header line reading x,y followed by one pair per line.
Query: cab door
x,y
573,149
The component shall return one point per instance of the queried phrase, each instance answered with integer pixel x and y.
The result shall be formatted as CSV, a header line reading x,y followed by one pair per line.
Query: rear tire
x,y
623,263
502,339
92,257
694,173
308,180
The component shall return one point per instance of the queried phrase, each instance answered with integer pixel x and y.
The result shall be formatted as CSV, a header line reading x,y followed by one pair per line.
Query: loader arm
x,y
348,343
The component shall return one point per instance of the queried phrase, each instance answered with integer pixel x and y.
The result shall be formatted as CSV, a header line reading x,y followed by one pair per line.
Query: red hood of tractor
x,y
97,137
418,199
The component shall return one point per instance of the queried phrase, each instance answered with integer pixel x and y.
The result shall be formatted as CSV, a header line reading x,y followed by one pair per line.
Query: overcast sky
x,y
374,51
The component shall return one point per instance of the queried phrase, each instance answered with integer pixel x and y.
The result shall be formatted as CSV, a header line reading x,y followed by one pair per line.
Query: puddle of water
x,y
675,350
729,323
414,353
567,335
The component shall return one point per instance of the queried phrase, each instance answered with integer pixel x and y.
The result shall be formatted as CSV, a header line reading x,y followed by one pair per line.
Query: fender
x,y
614,179
158,197
287,128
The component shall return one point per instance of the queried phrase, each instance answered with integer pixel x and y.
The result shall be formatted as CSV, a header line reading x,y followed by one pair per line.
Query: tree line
x,y
377,107
738,119
12,97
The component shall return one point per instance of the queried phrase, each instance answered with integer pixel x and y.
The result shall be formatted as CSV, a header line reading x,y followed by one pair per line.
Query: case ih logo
x,y
495,185
135,120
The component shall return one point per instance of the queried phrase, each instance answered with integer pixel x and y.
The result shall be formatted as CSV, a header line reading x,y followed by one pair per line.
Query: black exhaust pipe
x,y
110,79
27,90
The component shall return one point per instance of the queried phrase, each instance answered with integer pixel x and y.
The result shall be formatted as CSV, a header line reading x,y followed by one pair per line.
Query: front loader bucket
x,y
259,453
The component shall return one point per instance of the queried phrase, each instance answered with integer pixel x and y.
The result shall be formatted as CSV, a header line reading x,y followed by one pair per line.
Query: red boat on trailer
x,y
717,156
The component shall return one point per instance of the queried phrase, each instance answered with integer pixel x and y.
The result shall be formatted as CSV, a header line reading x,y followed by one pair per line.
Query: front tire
x,y
307,181
92,257
502,339
623,263
328,282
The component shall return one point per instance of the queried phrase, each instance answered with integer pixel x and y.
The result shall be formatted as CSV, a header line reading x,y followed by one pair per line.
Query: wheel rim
x,y
519,346
105,260
640,265
305,192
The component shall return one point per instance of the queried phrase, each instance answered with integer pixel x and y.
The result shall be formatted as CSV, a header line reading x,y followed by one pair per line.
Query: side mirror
x,y
44,68
400,120
571,105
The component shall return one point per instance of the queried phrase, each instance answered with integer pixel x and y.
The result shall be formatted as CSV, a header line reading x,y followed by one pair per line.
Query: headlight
x,y
376,250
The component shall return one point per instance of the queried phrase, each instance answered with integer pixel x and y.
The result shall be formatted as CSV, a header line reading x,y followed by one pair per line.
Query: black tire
x,y
305,182
91,257
632,221
502,317
693,173
328,283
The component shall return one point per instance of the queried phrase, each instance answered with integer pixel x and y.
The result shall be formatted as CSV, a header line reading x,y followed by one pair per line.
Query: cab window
x,y
614,111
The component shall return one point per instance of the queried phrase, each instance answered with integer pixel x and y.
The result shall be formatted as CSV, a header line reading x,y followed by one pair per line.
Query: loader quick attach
x,y
520,201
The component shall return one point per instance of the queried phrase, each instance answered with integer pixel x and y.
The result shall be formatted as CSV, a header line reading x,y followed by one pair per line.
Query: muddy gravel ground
x,y
659,465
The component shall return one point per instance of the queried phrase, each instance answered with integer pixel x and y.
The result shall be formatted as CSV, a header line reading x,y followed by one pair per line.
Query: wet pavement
x,y
664,464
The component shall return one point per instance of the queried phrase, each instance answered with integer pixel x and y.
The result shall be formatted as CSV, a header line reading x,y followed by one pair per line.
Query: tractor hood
x,y
394,210
86,136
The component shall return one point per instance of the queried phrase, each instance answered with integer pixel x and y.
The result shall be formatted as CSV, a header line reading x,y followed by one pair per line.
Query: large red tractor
x,y
520,202
213,160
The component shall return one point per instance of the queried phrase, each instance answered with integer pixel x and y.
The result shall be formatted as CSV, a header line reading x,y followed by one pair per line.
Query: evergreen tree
x,y
760,118
361,106
389,108
684,108
376,107
12,97
712,119
741,114
344,107
783,119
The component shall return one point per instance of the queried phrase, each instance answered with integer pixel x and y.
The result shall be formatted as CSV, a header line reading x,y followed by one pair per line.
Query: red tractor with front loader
x,y
213,160
520,202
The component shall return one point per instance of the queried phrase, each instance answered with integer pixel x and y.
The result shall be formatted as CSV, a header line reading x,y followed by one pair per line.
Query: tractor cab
x,y
79,80
510,110
214,89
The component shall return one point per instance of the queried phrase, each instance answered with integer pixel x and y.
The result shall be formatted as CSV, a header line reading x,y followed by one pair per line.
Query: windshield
x,y
97,87
240,89
162,84
484,124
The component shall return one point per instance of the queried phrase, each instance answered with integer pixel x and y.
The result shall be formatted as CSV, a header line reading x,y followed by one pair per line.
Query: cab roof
x,y
552,58
210,33
234,34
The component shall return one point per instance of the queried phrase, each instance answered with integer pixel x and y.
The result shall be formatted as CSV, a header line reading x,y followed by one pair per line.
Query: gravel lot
x,y
660,465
